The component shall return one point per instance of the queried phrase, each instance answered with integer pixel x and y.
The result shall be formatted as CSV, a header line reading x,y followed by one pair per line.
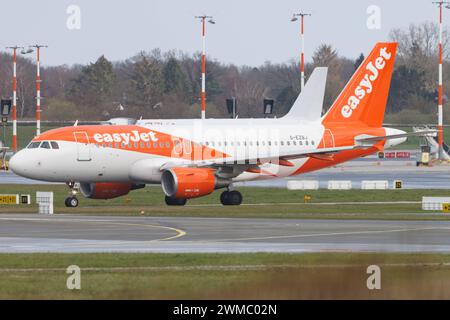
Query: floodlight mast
x,y
38,86
14,101
441,151
203,93
302,16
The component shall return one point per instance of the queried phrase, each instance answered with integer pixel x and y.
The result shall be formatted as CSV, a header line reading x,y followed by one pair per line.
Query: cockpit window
x,y
54,145
45,145
34,145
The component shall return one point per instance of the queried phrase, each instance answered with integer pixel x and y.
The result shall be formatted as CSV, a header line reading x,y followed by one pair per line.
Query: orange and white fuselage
x,y
119,153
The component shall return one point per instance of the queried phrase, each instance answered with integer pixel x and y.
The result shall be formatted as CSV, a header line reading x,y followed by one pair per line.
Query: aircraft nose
x,y
18,163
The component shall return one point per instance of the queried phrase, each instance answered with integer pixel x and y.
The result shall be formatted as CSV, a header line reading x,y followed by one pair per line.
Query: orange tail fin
x,y
365,96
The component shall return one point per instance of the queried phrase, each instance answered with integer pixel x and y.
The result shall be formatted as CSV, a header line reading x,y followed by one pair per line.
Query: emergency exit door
x,y
83,146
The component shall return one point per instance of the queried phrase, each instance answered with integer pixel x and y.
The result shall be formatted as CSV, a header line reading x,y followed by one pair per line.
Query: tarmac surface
x,y
20,233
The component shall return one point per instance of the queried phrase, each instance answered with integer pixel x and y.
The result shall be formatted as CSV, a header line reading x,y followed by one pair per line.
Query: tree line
x,y
167,85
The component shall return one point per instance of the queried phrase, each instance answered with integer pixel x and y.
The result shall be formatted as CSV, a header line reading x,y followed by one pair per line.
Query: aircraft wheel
x,y
71,202
231,198
175,201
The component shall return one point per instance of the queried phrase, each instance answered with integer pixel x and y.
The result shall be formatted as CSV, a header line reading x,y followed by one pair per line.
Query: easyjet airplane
x,y
192,158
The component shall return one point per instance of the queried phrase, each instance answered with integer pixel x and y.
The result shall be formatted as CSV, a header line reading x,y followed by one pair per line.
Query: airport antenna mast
x,y
38,86
441,5
14,99
302,16
203,93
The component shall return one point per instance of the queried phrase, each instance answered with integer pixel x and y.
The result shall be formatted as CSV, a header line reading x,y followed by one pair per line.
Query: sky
x,y
247,32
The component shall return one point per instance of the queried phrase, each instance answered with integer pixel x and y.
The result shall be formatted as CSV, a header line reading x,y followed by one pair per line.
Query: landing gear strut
x,y
175,201
72,200
231,198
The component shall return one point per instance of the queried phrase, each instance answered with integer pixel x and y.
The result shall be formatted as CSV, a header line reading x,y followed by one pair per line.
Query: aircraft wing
x,y
282,158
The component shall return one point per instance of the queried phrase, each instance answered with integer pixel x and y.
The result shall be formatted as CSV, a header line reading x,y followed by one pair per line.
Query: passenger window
x,y
306,143
34,145
54,145
312,142
45,145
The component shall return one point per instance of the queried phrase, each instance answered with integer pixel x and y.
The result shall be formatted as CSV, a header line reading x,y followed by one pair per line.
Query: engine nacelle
x,y
107,190
188,183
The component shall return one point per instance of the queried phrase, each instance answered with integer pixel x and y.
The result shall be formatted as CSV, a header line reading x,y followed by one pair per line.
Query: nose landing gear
x,y
231,198
72,200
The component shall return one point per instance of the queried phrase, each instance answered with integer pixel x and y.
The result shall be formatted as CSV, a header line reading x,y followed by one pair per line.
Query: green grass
x,y
258,202
224,276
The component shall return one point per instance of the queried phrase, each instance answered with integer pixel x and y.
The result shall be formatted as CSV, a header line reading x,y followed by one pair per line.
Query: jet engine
x,y
187,183
107,190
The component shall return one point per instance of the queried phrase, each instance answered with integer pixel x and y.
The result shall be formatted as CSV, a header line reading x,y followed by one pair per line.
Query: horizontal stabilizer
x,y
367,140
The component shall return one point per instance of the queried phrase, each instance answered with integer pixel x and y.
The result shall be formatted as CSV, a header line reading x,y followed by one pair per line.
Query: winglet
x,y
309,103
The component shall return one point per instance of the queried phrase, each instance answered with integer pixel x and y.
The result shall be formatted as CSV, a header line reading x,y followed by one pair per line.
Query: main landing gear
x,y
227,198
72,200
231,198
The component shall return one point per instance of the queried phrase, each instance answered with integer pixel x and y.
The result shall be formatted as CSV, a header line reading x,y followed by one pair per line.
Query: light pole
x,y
440,88
14,101
203,94
302,16
38,86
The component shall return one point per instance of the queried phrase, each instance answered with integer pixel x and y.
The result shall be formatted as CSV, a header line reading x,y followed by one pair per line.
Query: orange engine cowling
x,y
187,183
106,190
